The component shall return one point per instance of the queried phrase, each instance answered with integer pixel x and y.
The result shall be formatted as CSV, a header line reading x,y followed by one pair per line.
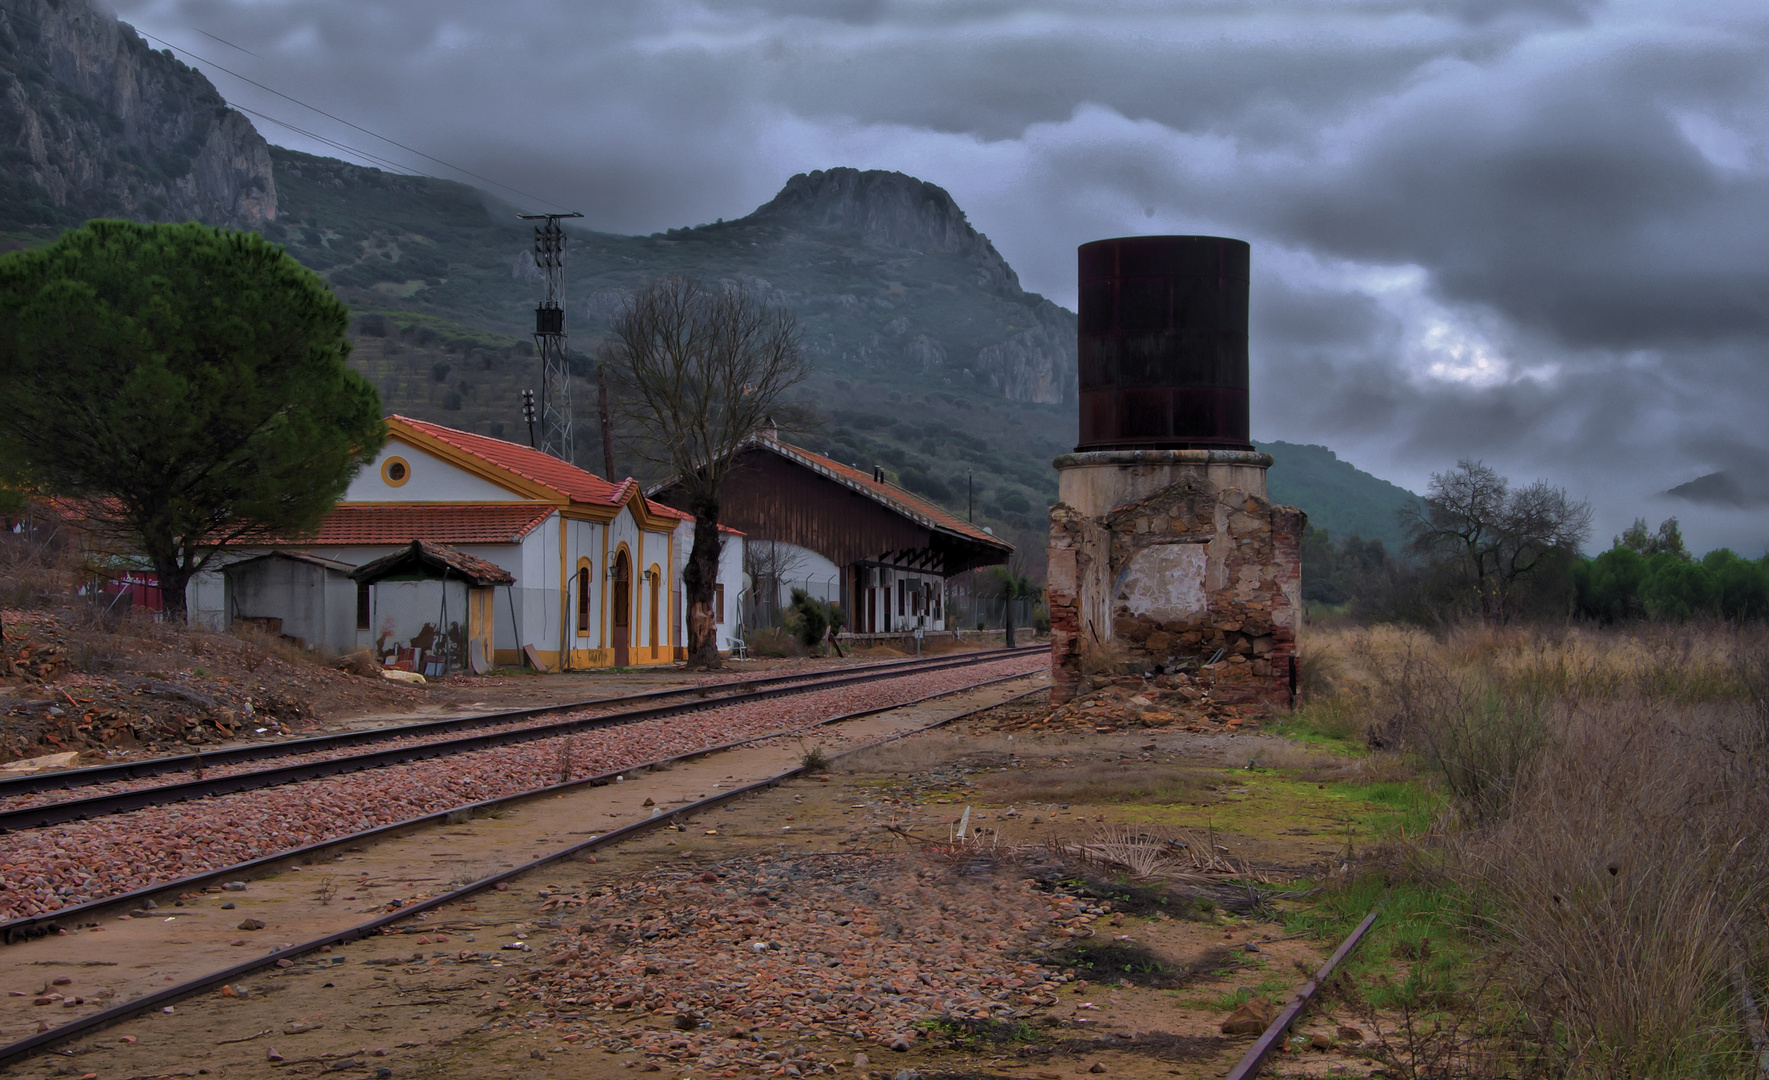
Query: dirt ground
x,y
809,928
121,688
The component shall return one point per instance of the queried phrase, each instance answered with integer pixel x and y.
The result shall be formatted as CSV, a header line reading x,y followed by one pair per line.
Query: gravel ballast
x,y
45,869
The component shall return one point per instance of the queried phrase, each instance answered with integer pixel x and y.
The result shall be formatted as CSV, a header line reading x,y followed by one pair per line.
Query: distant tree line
x,y
1481,548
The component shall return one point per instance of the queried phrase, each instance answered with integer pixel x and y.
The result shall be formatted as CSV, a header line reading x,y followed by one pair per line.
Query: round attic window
x,y
395,471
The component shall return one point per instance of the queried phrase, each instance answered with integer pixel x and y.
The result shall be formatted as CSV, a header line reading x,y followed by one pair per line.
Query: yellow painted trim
x,y
604,658
583,563
644,517
471,463
606,514
601,515
671,581
387,471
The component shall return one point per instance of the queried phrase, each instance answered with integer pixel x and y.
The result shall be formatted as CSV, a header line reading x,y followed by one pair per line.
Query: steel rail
x,y
55,813
1249,1064
27,927
84,776
125,1010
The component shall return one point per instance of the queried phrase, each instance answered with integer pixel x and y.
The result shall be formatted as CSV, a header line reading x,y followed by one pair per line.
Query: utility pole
x,y
607,423
970,497
549,335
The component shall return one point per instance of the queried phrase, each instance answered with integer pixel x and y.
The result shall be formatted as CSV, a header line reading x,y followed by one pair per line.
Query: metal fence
x,y
767,603
966,610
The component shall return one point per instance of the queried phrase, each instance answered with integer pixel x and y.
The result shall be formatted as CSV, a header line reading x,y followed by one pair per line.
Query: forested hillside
x,y
1337,495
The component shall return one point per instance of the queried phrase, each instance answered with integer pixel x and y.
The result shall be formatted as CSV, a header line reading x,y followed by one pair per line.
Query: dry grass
x,y
38,571
1687,663
1147,851
1610,832
1628,875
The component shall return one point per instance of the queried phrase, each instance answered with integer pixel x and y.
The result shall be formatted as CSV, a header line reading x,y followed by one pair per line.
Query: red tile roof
x,y
577,484
441,523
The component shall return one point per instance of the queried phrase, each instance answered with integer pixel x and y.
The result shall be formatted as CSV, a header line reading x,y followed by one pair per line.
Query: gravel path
x,y
46,869
754,955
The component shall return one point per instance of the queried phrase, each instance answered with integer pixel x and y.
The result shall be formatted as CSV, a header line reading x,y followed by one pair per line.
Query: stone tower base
x,y
1166,558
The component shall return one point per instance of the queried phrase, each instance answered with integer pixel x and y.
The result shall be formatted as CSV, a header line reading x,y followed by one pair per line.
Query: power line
x,y
340,119
225,42
343,148
319,138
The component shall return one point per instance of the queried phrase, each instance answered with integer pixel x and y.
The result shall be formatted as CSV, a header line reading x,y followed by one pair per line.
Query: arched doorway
x,y
623,608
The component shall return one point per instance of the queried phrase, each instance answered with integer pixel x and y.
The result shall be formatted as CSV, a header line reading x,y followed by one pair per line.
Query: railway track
x,y
136,857
416,742
381,922
90,775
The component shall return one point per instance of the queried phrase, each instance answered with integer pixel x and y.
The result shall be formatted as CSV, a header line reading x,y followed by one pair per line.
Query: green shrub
x,y
808,617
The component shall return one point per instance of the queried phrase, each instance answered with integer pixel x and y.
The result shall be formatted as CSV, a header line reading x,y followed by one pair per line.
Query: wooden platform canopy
x,y
777,491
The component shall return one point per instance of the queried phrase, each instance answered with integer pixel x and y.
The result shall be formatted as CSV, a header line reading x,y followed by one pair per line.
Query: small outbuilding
x,y
297,594
433,599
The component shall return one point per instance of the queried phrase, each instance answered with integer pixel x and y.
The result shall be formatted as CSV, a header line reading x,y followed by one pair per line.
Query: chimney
x,y
770,430
878,474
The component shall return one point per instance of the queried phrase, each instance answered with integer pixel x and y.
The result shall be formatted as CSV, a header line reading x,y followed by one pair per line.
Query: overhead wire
x,y
341,120
225,42
344,148
313,108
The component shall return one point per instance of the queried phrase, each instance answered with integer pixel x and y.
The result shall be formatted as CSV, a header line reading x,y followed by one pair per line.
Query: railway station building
x,y
570,570
846,536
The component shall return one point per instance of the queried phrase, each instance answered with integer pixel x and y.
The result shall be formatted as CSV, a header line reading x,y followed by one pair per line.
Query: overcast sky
x,y
1535,233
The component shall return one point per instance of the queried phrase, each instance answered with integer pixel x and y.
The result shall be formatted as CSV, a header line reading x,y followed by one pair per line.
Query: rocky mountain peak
x,y
93,122
890,209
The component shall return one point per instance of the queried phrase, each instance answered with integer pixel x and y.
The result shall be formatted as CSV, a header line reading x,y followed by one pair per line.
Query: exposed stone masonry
x,y
1172,578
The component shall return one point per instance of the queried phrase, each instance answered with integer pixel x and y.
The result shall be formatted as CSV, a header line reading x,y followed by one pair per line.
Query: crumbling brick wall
x,y
1176,578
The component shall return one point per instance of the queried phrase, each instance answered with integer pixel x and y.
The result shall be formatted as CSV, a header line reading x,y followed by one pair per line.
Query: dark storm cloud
x,y
1535,233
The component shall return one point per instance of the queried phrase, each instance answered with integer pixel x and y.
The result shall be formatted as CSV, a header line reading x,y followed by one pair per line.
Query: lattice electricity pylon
x,y
549,335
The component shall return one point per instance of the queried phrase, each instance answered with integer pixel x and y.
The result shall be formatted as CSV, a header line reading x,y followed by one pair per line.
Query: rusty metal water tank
x,y
1163,343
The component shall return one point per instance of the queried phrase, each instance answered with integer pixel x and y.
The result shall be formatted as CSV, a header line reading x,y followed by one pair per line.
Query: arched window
x,y
583,597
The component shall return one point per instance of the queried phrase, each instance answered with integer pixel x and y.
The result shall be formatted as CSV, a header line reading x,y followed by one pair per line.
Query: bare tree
x,y
1490,537
768,564
700,369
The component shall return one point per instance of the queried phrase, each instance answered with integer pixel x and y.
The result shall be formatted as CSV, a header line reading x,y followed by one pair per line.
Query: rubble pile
x,y
150,688
1176,701
754,958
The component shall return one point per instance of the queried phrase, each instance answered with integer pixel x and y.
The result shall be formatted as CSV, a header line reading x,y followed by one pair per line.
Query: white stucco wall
x,y
802,569
431,479
730,576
